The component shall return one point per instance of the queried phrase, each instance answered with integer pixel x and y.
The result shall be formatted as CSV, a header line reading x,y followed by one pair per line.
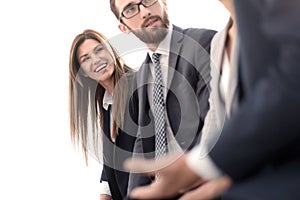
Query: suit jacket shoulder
x,y
201,35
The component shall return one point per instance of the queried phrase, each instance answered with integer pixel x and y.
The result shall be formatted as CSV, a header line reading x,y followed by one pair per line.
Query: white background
x,y
37,159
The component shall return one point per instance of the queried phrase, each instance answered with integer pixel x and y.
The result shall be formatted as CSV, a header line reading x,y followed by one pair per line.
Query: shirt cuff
x,y
104,188
201,163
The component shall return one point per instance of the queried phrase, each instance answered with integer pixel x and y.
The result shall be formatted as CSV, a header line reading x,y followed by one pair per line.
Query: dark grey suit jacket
x,y
259,145
187,92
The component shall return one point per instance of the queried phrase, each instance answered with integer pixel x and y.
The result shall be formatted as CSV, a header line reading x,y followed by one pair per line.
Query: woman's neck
x,y
109,85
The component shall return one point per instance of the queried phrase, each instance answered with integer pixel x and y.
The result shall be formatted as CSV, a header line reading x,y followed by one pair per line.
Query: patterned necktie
x,y
159,109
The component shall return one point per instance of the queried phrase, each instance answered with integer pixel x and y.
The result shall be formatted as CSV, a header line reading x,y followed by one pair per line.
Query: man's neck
x,y
153,47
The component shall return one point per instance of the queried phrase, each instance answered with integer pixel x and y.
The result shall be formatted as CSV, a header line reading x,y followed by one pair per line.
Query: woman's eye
x,y
85,59
98,49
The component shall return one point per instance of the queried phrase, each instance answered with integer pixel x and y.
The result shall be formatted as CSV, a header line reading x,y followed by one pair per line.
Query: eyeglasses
x,y
133,9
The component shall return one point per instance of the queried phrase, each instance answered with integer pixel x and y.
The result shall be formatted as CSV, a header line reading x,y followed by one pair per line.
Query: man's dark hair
x,y
114,9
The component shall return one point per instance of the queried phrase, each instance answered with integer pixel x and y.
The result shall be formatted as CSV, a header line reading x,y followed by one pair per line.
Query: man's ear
x,y
123,28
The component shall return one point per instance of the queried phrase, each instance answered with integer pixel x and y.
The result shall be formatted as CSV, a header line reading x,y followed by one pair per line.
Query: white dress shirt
x,y
225,75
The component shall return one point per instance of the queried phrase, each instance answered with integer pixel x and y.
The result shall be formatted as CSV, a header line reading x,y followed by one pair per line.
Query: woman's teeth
x,y
100,67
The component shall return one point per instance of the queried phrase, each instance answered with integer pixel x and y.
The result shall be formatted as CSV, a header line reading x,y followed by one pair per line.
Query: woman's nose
x,y
96,59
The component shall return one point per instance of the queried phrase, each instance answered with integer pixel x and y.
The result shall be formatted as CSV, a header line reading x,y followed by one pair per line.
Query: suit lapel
x,y
216,63
175,47
142,80
228,102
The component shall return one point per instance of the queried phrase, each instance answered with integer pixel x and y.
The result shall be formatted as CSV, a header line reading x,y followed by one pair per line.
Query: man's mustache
x,y
151,18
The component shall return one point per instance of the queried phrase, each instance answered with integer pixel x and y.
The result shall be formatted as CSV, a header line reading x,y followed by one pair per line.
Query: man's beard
x,y
156,34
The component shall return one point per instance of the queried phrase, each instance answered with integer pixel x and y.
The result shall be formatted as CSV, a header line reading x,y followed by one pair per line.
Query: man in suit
x,y
184,62
257,152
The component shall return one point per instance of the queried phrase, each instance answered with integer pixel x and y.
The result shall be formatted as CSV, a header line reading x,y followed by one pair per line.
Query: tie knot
x,y
155,57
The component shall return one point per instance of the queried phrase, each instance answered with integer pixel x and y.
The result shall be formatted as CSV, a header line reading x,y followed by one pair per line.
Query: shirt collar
x,y
164,46
107,100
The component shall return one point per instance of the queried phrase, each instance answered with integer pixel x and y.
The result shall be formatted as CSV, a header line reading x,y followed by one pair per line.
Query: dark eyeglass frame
x,y
138,9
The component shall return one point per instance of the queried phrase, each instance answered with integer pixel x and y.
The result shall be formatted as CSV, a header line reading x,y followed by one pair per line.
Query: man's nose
x,y
144,11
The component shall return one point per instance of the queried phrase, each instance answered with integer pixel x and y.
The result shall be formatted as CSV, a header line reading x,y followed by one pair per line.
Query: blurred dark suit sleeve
x,y
259,145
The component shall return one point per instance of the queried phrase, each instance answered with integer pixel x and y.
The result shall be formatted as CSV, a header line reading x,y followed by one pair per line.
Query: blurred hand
x,y
175,176
105,197
209,190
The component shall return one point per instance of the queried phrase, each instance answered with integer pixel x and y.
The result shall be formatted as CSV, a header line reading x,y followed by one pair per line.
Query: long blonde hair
x,y
86,95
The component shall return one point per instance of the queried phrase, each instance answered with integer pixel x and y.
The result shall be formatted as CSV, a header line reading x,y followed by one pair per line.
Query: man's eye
x,y
131,9
148,2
